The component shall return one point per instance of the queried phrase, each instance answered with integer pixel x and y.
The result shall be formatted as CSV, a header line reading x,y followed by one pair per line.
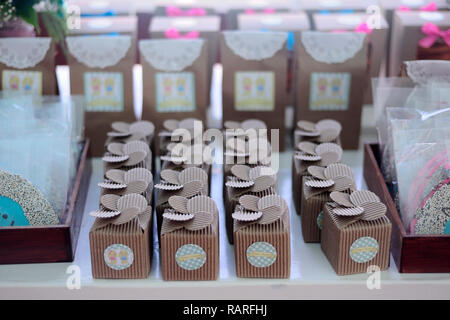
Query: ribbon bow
x,y
173,33
326,130
335,177
359,205
433,33
173,11
118,210
122,182
267,11
192,214
323,154
134,131
428,7
254,179
254,210
126,155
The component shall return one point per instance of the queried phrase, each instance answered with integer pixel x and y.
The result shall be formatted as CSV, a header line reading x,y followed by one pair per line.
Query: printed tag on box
x,y
23,82
255,91
175,92
329,91
118,256
103,91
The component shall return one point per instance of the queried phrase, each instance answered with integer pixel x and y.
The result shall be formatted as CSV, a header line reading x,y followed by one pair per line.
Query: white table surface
x,y
312,277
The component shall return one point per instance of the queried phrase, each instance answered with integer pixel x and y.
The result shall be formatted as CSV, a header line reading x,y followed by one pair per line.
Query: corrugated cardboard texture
x,y
233,63
129,234
336,242
46,67
350,118
207,239
98,124
406,34
276,234
147,164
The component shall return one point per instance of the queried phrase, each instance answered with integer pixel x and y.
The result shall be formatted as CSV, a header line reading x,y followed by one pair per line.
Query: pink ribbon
x,y
175,34
268,10
172,11
429,7
362,27
433,33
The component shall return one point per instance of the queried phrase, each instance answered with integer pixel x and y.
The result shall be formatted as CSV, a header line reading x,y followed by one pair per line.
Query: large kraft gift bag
x,y
27,66
376,38
419,35
291,22
254,78
331,77
174,79
356,232
101,68
190,239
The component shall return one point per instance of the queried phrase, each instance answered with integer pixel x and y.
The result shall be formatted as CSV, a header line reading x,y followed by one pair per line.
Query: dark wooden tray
x,y
50,243
412,253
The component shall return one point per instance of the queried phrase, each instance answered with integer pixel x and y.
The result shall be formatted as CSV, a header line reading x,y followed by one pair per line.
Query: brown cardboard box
x,y
208,28
388,8
353,248
331,77
292,22
190,247
377,39
407,33
254,78
175,75
101,68
27,66
262,245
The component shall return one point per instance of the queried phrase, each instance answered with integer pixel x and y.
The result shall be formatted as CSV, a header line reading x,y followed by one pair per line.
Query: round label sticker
x,y
364,249
320,220
184,22
261,254
118,256
190,257
431,16
349,20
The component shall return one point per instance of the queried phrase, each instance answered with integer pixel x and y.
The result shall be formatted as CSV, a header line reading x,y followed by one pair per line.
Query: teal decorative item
x,y
190,257
11,213
364,249
261,254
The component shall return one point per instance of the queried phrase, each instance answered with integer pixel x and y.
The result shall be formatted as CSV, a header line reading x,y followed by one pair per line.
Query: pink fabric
x,y
175,34
172,11
268,10
429,7
433,33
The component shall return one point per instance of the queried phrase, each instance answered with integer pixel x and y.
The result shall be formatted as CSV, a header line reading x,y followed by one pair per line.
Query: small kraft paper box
x,y
331,77
316,190
254,77
388,8
120,238
174,79
417,35
356,232
255,180
27,66
377,31
186,183
261,237
311,154
206,27
291,22
101,69
190,239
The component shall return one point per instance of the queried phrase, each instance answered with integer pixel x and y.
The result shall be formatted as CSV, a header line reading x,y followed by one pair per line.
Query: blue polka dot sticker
x,y
261,254
118,256
320,220
364,249
190,257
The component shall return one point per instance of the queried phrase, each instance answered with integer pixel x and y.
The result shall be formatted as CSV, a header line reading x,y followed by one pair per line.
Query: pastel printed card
x,y
329,91
22,82
254,91
103,91
175,92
